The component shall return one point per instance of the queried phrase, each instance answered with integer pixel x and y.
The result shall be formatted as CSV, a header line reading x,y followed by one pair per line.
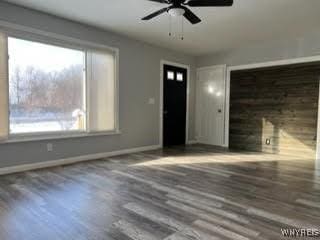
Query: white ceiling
x,y
247,22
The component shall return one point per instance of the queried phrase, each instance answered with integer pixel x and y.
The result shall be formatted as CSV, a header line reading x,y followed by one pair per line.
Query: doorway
x,y
210,98
174,105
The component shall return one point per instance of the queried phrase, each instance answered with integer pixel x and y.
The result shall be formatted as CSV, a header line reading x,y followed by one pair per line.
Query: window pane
x,y
170,75
46,87
179,77
102,91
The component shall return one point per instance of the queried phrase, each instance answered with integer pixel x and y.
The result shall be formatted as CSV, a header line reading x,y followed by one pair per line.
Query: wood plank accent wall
x,y
278,103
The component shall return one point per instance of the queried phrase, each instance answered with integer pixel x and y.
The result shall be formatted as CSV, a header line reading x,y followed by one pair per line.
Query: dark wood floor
x,y
189,193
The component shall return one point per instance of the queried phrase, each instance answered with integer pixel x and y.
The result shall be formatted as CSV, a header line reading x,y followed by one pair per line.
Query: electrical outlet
x,y
268,141
49,147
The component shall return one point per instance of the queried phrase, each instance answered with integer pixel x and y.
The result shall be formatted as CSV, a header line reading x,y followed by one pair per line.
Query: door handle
x,y
219,111
165,112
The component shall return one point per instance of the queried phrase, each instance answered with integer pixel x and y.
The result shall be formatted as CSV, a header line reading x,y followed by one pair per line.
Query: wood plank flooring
x,y
192,193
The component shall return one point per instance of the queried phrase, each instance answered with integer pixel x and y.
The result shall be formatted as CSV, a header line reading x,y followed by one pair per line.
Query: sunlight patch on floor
x,y
226,158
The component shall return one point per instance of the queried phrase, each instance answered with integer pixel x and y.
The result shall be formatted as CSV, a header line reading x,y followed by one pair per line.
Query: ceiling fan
x,y
178,8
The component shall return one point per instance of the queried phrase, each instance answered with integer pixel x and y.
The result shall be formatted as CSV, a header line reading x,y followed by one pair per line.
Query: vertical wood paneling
x,y
280,104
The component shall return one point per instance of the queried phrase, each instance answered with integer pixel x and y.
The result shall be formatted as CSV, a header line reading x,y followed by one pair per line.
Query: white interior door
x,y
210,105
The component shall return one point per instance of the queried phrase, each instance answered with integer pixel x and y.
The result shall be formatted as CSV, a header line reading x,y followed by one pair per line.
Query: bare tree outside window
x,y
46,86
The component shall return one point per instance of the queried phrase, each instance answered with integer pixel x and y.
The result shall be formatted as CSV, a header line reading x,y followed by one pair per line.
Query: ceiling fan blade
x,y
209,3
191,16
157,13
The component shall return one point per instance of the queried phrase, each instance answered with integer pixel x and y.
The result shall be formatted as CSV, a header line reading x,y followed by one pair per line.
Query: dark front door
x,y
174,105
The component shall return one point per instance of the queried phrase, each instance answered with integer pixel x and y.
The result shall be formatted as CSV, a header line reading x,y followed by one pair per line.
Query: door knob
x,y
219,111
165,112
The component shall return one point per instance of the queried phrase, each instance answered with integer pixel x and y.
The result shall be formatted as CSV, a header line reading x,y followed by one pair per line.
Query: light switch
x,y
151,101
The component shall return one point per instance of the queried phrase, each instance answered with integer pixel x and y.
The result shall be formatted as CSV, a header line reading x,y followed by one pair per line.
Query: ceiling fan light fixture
x,y
176,12
178,8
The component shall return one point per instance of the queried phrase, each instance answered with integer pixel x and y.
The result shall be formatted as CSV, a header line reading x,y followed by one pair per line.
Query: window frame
x,y
33,35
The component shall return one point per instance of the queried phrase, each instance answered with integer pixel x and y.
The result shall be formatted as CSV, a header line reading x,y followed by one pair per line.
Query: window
x,y
46,87
170,75
52,88
101,117
180,77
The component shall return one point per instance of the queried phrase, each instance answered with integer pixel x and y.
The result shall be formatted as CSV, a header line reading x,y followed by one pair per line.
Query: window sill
x,y
55,136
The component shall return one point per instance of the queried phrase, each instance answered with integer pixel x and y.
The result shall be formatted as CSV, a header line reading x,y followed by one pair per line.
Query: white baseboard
x,y
192,142
59,162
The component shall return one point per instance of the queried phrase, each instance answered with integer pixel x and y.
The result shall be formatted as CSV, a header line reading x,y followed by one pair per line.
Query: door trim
x,y
162,63
224,66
